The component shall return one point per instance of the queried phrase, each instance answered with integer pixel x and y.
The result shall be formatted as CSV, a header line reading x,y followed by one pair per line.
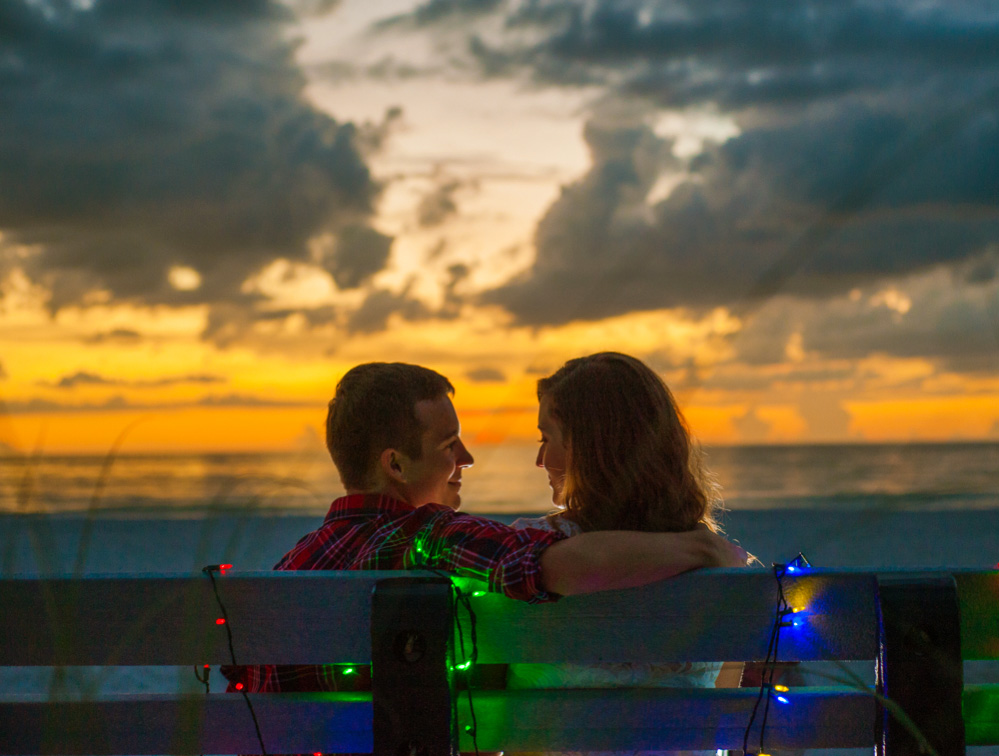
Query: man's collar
x,y
368,503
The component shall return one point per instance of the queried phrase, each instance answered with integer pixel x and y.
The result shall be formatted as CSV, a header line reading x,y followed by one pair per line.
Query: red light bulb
x,y
239,686
220,621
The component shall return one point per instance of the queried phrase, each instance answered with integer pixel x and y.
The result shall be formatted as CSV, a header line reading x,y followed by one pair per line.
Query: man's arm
x,y
609,560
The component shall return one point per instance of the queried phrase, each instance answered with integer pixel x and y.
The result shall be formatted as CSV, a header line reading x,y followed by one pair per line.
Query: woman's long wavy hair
x,y
631,463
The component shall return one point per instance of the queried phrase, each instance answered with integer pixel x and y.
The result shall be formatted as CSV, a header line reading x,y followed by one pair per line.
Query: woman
x,y
617,450
619,456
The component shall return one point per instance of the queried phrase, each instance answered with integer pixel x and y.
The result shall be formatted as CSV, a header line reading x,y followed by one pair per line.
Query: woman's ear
x,y
393,465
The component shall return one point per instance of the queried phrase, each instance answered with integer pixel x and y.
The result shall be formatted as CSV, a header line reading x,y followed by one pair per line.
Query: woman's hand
x,y
721,551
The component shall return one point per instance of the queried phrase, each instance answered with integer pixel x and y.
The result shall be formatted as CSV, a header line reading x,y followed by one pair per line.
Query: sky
x,y
209,211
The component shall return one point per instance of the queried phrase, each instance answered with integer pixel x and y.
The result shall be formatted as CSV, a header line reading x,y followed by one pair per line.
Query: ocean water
x,y
878,507
504,479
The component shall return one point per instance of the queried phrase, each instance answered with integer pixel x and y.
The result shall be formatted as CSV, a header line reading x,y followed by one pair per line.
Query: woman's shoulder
x,y
555,522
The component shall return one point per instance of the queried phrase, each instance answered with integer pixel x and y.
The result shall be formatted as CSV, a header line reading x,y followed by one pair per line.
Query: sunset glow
x,y
488,189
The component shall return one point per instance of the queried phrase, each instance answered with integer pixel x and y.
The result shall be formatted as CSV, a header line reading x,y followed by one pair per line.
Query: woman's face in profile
x,y
552,454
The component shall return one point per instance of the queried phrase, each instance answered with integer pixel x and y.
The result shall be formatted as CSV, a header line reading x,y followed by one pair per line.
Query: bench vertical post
x,y
919,667
411,626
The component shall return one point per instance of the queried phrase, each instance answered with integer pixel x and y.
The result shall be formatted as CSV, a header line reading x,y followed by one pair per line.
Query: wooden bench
x,y
914,627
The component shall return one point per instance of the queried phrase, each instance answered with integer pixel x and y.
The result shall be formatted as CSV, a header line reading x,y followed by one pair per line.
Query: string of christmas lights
x,y
210,570
203,677
465,667
783,618
464,599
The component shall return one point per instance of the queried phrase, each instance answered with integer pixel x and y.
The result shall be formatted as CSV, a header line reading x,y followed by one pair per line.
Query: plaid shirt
x,y
377,532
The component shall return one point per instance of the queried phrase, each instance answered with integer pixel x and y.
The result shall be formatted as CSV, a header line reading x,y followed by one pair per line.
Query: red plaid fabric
x,y
375,532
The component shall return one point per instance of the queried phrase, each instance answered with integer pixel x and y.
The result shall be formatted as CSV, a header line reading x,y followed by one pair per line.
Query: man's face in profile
x,y
436,476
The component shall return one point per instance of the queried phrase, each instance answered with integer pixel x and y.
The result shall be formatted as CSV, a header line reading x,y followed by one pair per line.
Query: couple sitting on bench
x,y
633,504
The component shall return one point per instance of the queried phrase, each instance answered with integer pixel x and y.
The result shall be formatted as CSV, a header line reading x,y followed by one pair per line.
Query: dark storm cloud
x,y
360,252
314,7
116,335
373,315
146,134
387,69
868,148
961,332
438,205
453,299
809,209
84,378
118,403
737,52
738,378
485,375
32,406
434,12
937,315
247,400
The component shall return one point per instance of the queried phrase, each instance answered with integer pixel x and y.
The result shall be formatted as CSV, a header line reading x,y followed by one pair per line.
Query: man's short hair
x,y
375,409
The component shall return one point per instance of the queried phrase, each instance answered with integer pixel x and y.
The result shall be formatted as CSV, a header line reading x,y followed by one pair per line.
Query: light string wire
x,y
461,598
210,571
464,599
203,677
770,662
782,611
849,678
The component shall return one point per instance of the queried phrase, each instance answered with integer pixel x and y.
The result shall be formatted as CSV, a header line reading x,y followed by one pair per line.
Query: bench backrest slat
x,y
276,617
314,617
710,615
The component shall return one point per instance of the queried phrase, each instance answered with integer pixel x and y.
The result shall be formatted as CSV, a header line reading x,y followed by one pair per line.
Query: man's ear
x,y
392,462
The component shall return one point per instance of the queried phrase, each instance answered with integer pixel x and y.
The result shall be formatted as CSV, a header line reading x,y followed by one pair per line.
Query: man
x,y
394,437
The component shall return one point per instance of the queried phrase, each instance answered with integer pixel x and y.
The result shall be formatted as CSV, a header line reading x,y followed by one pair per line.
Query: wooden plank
x,y
978,597
275,617
171,620
513,720
665,719
186,724
981,715
708,615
